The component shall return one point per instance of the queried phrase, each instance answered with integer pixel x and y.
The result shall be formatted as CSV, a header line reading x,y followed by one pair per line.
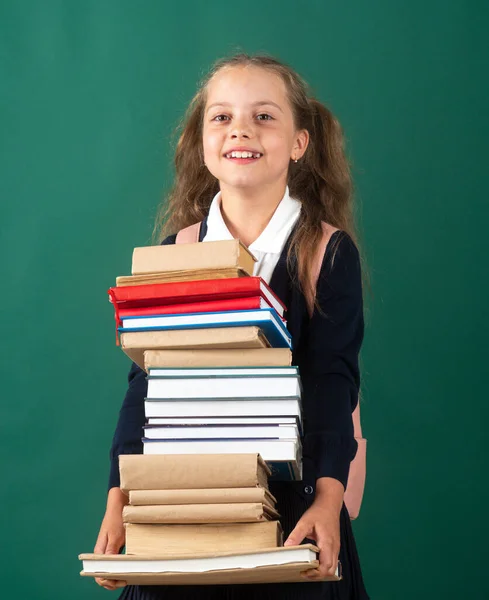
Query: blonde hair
x,y
321,180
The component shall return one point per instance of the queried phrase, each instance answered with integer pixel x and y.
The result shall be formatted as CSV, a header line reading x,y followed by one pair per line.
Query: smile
x,y
249,155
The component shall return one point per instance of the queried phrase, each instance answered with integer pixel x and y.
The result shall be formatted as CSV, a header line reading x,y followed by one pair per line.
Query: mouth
x,y
243,156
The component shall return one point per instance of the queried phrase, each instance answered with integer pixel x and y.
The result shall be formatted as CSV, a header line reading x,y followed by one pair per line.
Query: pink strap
x,y
328,231
189,235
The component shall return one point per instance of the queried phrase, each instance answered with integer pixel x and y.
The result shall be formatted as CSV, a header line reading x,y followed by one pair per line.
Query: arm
x,y
128,432
331,379
126,440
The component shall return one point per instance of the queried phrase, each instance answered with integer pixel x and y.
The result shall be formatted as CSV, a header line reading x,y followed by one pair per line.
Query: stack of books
x,y
200,519
181,296
214,342
182,504
223,415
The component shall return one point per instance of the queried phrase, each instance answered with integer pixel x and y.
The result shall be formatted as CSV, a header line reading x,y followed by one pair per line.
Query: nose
x,y
241,129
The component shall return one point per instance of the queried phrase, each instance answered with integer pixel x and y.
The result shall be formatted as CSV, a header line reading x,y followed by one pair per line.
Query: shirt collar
x,y
272,238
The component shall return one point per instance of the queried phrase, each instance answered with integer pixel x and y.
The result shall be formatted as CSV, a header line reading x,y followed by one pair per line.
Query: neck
x,y
247,212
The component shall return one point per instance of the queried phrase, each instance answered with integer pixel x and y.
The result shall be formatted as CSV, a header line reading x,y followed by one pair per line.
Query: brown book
x,y
134,343
178,540
175,276
190,471
223,254
237,512
268,565
202,496
253,357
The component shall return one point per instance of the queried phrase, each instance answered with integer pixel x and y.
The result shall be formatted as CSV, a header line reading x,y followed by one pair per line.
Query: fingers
x,y
113,547
302,529
110,584
114,544
328,563
100,544
108,545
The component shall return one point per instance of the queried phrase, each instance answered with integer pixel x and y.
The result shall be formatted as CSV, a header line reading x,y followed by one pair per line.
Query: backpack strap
x,y
328,231
189,235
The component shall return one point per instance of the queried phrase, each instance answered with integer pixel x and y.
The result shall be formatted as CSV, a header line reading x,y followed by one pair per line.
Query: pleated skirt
x,y
293,500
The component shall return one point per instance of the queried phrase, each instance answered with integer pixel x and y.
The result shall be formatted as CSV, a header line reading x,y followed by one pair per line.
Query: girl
x,y
274,200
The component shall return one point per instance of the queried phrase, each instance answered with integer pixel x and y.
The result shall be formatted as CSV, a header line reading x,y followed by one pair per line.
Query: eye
x,y
220,118
266,115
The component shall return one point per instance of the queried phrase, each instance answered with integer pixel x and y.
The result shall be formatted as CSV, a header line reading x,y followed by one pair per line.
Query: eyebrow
x,y
259,103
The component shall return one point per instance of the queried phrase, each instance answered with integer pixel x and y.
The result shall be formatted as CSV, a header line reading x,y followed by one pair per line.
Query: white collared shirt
x,y
270,243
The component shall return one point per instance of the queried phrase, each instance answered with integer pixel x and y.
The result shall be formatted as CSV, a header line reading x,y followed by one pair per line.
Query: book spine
x,y
195,513
176,540
259,357
160,472
199,496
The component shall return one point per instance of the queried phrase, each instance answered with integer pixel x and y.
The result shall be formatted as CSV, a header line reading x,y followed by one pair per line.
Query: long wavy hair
x,y
321,180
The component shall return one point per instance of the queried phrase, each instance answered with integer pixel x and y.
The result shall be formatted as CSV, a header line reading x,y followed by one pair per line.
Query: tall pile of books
x,y
223,414
214,342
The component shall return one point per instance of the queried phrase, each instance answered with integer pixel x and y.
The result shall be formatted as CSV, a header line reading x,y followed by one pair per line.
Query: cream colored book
x,y
187,471
202,496
178,540
135,343
269,565
222,254
175,276
242,512
253,357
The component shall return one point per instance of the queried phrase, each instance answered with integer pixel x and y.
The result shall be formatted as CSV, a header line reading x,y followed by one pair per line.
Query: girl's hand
x,y
111,537
321,523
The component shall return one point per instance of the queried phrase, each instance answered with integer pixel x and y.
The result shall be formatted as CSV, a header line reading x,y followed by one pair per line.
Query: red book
x,y
253,302
183,292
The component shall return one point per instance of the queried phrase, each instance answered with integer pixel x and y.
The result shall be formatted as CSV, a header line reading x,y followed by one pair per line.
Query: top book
x,y
181,257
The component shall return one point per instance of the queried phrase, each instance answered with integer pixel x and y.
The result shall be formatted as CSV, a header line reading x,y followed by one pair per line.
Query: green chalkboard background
x,y
89,95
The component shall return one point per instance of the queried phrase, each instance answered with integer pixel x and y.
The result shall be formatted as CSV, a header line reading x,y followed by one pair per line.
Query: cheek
x,y
280,146
212,143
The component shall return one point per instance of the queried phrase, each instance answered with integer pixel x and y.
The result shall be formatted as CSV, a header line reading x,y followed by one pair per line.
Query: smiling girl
x,y
260,160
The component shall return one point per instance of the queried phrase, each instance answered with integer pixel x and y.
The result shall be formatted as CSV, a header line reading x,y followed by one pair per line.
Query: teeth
x,y
236,154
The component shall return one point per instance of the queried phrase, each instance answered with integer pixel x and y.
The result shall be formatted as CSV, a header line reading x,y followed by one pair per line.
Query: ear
x,y
300,144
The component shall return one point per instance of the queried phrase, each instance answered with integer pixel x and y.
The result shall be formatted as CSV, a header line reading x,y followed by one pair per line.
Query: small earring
x,y
295,160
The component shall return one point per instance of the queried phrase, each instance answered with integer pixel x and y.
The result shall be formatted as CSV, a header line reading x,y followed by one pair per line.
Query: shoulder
x,y
341,266
340,245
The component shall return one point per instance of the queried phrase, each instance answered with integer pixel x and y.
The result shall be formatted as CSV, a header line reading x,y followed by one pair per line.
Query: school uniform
x,y
325,348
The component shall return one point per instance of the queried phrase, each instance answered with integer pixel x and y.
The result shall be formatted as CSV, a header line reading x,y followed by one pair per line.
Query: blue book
x,y
267,319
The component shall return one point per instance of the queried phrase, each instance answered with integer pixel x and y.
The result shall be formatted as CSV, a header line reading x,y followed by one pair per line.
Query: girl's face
x,y
247,110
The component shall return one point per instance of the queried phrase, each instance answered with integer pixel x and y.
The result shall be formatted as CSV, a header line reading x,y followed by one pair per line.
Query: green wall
x,y
89,94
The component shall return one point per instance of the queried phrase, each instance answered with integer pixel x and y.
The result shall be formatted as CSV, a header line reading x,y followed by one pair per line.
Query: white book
x,y
220,371
222,421
270,450
244,407
232,386
125,563
218,432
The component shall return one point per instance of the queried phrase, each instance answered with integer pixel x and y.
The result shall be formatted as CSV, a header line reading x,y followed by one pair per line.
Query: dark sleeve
x,y
129,428
331,378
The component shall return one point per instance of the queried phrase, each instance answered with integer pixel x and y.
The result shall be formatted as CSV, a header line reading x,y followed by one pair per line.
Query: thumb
x,y
301,530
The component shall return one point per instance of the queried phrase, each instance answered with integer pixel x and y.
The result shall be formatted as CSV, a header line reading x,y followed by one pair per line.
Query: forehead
x,y
246,84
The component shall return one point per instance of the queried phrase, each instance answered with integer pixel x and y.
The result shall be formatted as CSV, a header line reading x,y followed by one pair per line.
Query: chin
x,y
242,182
